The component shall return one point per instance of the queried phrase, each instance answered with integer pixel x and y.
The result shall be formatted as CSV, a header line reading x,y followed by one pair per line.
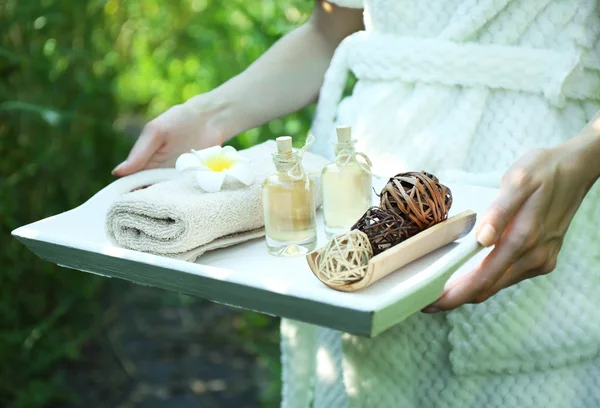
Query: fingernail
x,y
119,167
431,309
487,235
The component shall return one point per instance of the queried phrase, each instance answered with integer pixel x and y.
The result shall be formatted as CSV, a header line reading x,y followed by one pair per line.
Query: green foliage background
x,y
70,72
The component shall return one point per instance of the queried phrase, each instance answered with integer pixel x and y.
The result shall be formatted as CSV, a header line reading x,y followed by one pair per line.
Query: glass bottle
x,y
289,205
347,187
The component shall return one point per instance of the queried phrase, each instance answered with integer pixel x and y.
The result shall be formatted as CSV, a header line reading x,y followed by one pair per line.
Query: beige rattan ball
x,y
345,259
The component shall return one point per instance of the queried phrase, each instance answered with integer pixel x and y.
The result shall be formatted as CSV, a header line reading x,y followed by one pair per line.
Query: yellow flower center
x,y
219,163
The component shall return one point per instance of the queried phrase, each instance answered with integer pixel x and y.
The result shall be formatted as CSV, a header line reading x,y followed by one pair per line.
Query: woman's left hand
x,y
528,220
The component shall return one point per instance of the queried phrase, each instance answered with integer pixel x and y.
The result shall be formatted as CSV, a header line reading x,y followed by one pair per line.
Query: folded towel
x,y
175,218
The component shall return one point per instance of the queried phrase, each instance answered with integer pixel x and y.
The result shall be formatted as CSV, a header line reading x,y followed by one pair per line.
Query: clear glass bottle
x,y
347,187
289,205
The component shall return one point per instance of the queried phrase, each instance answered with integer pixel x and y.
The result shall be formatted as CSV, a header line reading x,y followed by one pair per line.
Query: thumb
x,y
144,148
495,220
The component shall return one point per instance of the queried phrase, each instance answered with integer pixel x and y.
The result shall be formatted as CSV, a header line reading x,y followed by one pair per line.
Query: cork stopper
x,y
344,134
284,144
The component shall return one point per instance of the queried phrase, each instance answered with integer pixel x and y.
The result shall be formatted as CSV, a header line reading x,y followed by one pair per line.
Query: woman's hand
x,y
284,79
528,220
195,124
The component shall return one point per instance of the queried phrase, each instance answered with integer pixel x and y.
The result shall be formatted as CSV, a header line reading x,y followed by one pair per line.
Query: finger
x,y
153,164
520,276
539,261
516,188
521,235
466,288
144,148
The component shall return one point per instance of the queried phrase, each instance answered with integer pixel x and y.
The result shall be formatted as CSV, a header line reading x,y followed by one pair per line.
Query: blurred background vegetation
x,y
77,81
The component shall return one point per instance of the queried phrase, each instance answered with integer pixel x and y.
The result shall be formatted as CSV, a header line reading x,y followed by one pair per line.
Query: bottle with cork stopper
x,y
347,185
289,204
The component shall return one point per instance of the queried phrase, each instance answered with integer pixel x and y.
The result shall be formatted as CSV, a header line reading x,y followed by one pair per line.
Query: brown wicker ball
x,y
418,197
383,228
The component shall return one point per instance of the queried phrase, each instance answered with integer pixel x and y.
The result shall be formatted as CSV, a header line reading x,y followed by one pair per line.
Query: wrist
x,y
231,115
218,112
222,119
591,146
583,152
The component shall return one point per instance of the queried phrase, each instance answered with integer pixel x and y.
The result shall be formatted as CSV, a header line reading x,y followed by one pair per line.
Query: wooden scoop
x,y
412,249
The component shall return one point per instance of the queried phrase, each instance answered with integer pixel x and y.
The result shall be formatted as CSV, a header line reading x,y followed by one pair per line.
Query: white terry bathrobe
x,y
462,88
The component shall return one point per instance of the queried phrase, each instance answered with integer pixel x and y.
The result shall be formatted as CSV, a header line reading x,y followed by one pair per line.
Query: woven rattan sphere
x,y
345,259
418,197
383,228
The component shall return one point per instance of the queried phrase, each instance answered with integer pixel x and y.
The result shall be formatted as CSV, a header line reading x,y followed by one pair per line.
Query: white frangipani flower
x,y
212,165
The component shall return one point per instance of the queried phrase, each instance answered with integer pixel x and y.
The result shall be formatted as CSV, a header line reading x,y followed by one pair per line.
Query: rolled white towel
x,y
176,218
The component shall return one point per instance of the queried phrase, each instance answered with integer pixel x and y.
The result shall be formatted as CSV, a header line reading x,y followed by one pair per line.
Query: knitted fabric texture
x,y
461,89
176,218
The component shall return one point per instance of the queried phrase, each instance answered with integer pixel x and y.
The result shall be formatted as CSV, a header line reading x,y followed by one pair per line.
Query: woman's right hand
x,y
195,124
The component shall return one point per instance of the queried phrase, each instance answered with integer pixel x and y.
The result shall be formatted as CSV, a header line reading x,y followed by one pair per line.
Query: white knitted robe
x,y
462,88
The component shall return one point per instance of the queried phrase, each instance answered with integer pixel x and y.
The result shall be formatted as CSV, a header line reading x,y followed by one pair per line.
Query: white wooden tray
x,y
246,276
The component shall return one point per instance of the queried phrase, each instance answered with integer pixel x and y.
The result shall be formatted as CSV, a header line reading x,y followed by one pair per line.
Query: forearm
x,y
288,76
